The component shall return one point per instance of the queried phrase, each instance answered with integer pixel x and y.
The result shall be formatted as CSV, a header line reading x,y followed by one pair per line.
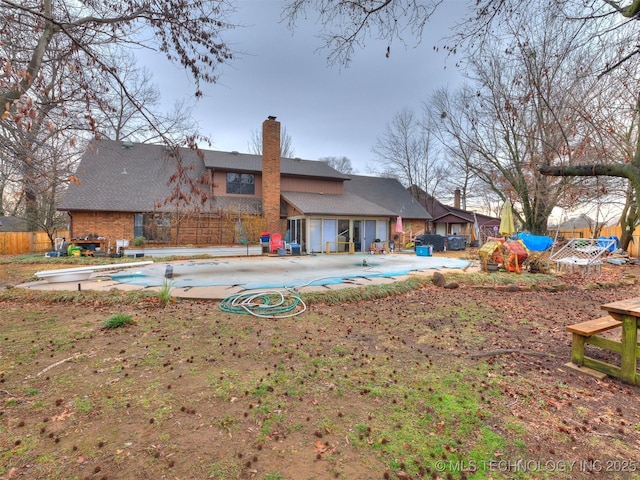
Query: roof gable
x,y
113,176
387,192
246,162
448,214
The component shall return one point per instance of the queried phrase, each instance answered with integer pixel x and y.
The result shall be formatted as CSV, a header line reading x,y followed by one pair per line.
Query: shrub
x,y
139,241
117,321
165,292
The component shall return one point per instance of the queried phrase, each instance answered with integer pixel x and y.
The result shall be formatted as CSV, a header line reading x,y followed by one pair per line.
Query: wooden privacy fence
x,y
16,243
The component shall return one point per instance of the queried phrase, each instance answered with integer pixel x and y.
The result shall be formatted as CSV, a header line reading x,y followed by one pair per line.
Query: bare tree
x,y
37,181
347,25
341,164
38,37
532,104
32,142
187,33
446,115
406,150
620,131
117,118
612,112
9,181
286,144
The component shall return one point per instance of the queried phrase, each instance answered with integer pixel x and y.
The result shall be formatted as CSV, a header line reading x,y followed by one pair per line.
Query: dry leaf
x,y
64,415
320,447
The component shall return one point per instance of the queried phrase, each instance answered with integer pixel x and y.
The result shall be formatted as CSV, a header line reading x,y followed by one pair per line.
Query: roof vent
x,y
235,152
127,145
167,148
124,171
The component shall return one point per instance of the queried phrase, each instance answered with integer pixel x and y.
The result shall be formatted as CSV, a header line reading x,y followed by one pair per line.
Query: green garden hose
x,y
265,304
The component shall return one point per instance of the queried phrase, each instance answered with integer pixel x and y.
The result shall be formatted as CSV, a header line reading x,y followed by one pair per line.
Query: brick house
x,y
453,220
123,190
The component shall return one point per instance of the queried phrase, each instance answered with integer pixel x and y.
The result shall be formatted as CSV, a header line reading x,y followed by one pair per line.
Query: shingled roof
x,y
388,192
124,177
331,204
118,177
246,162
447,214
12,224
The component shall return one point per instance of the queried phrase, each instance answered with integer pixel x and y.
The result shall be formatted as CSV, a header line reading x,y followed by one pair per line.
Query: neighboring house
x,y
575,226
447,220
12,224
122,191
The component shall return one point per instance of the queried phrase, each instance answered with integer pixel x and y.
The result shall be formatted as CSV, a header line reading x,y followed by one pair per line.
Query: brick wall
x,y
185,229
111,225
207,229
271,174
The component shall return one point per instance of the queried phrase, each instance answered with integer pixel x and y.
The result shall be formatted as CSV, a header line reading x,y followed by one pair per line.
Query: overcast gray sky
x,y
327,111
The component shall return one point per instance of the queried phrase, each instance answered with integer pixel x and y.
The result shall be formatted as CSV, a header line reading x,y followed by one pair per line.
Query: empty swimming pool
x,y
279,272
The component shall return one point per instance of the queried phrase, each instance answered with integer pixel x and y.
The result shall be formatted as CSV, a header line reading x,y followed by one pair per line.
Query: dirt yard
x,y
436,383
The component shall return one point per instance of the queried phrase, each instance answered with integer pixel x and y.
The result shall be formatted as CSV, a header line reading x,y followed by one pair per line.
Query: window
x,y
240,183
153,226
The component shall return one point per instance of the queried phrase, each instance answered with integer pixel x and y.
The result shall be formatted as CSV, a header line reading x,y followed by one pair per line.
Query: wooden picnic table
x,y
628,312
623,315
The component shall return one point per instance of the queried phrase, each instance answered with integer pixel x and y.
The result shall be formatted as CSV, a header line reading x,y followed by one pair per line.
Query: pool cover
x,y
282,272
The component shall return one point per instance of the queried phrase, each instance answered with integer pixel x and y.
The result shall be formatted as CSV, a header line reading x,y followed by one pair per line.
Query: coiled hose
x,y
265,304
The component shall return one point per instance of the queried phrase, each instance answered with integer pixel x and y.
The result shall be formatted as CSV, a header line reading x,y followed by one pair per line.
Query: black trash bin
x,y
437,241
456,242
295,249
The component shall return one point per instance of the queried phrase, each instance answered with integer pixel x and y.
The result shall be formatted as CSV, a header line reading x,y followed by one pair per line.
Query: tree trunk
x,y
30,195
628,219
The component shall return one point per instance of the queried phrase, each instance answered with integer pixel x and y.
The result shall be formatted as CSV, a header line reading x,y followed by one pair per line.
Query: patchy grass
x,y
165,292
403,380
118,321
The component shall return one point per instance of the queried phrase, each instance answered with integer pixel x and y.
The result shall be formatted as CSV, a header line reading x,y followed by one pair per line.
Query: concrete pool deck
x,y
218,278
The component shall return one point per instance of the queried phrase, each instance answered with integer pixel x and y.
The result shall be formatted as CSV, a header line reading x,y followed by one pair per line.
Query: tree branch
x,y
596,170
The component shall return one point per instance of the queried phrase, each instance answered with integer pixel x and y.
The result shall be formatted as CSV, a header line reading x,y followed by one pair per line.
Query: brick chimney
x,y
271,173
456,198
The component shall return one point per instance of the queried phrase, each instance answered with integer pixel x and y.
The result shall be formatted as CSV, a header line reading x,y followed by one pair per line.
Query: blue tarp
x,y
603,242
535,243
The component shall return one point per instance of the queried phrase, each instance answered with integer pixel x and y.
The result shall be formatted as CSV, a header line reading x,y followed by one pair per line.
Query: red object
x,y
517,255
276,242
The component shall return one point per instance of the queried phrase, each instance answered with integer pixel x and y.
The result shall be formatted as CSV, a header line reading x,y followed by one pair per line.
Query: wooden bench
x,y
591,327
585,333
